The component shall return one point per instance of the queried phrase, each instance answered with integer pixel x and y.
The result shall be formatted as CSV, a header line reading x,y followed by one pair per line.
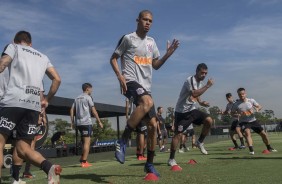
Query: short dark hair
x,y
85,86
201,66
159,108
143,12
240,89
22,36
228,95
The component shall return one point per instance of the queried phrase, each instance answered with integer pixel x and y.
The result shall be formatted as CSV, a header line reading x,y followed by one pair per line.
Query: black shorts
x,y
18,122
85,130
184,120
189,133
141,127
136,91
255,126
234,125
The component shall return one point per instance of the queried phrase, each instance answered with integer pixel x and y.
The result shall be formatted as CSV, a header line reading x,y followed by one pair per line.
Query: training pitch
x,y
220,166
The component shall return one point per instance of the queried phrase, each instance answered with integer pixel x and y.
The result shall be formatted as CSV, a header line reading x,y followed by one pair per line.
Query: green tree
x,y
214,113
107,133
169,115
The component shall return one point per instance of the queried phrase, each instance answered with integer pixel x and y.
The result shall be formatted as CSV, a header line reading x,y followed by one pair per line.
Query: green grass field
x,y
220,166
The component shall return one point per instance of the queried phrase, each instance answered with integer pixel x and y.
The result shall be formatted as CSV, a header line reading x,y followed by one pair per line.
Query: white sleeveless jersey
x,y
185,102
26,70
136,58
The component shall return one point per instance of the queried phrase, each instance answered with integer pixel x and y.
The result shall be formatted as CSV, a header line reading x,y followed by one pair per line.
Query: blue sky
x,y
240,41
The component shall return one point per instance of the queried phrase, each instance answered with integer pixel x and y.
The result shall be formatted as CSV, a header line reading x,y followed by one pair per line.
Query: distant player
x,y
162,129
245,109
189,132
235,127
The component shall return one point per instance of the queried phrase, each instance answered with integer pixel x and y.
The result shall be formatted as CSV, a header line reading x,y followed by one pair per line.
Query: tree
x,y
107,133
169,115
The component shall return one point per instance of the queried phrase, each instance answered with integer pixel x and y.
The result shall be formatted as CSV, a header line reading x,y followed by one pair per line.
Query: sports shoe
x,y
149,168
272,150
27,175
182,150
252,153
85,164
18,182
201,147
242,147
54,174
120,151
141,157
162,149
187,149
171,162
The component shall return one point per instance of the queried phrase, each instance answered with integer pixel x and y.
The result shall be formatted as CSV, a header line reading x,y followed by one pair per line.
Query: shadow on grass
x,y
248,158
93,177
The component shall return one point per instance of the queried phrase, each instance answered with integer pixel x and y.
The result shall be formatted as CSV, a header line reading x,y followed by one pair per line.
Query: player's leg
x,y
151,143
241,137
182,143
249,140
27,173
86,133
256,127
3,140
233,134
16,166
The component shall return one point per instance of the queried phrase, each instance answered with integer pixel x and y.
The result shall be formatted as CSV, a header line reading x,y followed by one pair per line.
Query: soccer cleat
x,y
141,157
27,175
187,149
252,153
182,150
242,147
120,151
201,147
18,182
85,164
162,149
149,168
54,174
272,150
171,162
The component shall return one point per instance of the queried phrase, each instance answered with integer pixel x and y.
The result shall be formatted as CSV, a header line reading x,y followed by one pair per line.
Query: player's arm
x,y
170,48
257,107
95,114
4,62
56,81
115,67
203,103
72,116
198,92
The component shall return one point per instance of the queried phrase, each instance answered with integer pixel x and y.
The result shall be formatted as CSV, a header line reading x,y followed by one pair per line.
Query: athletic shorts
x,y
85,130
189,133
234,124
136,91
141,127
255,126
164,134
184,120
18,122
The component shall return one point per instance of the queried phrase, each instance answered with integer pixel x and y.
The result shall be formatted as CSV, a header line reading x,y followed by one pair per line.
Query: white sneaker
x,y
171,162
54,174
18,182
187,148
181,150
252,153
272,150
201,147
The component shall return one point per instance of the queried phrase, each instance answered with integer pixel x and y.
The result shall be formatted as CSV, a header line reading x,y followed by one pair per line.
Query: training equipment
x,y
192,162
176,168
151,177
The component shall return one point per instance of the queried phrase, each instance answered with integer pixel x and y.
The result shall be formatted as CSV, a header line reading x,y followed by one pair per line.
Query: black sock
x,y
83,161
235,143
27,167
268,147
16,172
180,146
201,138
184,146
46,166
126,133
242,141
251,148
150,156
172,154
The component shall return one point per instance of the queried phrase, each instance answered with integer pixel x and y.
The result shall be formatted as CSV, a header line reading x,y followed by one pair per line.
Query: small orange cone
x,y
265,151
151,177
231,149
176,168
192,162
